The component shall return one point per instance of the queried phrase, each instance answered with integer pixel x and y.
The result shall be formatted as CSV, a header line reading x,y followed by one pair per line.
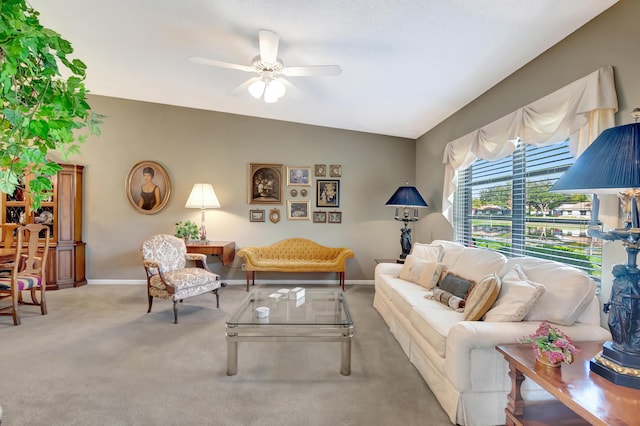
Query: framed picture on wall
x,y
299,176
148,187
335,217
327,193
320,170
256,216
266,184
319,217
298,210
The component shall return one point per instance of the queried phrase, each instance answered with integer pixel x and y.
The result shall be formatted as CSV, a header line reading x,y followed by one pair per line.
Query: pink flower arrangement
x,y
551,342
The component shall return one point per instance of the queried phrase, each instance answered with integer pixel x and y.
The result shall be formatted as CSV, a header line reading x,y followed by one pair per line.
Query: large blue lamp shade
x,y
407,200
611,164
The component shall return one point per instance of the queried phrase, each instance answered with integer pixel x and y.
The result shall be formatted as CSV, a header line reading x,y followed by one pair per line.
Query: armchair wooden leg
x,y
16,316
175,311
150,303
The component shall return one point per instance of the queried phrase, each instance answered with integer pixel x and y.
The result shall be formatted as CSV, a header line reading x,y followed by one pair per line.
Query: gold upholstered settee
x,y
295,255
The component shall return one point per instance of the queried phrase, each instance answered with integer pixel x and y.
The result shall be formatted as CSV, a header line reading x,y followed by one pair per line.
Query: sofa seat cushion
x,y
568,291
406,295
433,321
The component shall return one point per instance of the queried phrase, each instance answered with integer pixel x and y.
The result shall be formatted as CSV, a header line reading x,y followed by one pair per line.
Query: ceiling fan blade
x,y
268,46
214,63
312,70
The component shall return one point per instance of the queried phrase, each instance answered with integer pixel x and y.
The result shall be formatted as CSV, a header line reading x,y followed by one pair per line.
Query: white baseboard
x,y
240,282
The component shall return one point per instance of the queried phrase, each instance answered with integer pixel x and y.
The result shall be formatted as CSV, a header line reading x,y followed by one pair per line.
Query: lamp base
x,y
616,366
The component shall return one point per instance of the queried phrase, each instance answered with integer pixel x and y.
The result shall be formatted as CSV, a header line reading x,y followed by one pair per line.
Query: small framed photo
x,y
328,193
298,210
256,216
266,183
319,217
148,187
299,176
335,170
335,217
320,170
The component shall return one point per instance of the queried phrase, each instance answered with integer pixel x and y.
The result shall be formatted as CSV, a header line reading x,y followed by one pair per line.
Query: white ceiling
x,y
406,64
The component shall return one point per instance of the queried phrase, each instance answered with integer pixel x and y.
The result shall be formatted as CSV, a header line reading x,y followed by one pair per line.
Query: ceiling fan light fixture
x,y
278,88
257,88
270,94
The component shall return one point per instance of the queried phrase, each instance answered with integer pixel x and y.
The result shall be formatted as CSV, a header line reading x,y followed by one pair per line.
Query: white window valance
x,y
579,111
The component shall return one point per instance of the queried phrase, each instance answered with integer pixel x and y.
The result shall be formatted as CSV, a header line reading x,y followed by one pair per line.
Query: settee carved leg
x,y
217,298
175,312
341,279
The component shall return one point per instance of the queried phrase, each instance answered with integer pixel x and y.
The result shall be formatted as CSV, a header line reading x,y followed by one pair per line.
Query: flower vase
x,y
544,360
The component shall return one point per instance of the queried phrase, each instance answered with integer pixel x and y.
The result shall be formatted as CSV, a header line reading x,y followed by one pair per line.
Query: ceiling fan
x,y
270,82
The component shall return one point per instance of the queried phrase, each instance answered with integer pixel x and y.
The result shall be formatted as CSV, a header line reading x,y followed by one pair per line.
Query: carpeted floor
x,y
98,358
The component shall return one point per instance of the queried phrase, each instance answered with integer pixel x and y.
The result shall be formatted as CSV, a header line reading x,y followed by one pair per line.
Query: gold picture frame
x,y
148,187
298,176
265,183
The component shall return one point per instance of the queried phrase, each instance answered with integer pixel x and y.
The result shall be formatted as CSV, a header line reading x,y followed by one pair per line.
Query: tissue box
x,y
296,293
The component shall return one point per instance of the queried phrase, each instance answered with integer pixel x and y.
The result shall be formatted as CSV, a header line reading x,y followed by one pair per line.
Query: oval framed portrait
x,y
148,187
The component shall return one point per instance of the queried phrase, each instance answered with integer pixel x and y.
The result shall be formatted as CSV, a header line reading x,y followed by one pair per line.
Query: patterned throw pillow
x,y
517,296
455,285
420,271
481,298
447,299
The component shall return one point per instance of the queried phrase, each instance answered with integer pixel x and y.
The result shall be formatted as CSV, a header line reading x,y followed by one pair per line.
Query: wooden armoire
x,y
62,213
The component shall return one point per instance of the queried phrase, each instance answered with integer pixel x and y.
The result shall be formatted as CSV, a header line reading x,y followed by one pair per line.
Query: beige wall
x,y
202,146
609,39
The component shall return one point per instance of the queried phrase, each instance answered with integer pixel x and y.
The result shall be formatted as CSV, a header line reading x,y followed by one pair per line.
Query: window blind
x,y
505,206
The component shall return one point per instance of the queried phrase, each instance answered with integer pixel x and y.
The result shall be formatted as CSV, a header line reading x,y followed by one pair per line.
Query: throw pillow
x,y
517,296
420,271
428,252
455,285
447,299
481,298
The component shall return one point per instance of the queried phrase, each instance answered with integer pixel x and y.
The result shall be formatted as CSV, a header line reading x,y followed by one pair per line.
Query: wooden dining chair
x,y
28,273
7,231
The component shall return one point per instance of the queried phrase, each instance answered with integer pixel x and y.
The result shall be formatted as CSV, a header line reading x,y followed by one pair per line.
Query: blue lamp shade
x,y
406,196
611,164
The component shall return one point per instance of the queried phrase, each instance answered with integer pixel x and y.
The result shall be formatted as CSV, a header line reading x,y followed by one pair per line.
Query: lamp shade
x,y
610,164
406,196
202,197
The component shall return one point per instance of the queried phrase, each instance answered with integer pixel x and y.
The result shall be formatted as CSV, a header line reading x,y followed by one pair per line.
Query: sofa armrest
x,y
471,345
388,268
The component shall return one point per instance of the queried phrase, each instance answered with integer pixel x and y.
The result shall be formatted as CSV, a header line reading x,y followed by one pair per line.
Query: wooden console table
x,y
225,250
583,397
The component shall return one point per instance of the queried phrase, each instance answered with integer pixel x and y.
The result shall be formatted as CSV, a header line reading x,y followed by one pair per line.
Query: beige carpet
x,y
99,359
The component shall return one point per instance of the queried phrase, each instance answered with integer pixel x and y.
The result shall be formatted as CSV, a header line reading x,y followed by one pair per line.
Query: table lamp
x,y
407,200
202,197
611,164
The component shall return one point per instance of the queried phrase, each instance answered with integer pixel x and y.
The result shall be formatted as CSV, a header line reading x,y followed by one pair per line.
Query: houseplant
x,y
187,230
41,110
551,346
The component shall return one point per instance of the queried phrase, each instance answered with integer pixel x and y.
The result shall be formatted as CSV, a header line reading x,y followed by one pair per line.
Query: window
x,y
505,206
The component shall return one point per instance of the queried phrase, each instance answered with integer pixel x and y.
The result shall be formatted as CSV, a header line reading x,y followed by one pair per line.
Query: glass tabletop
x,y
317,307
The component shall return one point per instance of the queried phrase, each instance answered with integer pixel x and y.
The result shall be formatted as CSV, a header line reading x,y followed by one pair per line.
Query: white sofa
x,y
457,358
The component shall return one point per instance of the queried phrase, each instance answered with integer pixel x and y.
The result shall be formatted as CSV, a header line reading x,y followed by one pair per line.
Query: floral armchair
x,y
168,277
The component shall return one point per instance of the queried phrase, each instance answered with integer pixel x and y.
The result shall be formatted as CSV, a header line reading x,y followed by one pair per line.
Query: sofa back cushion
x,y
568,291
450,251
429,252
421,272
476,263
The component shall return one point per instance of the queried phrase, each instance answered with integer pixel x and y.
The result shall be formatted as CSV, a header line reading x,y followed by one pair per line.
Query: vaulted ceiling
x,y
406,64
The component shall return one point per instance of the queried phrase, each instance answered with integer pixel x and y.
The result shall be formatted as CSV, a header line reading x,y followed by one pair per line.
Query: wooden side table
x,y
225,250
583,397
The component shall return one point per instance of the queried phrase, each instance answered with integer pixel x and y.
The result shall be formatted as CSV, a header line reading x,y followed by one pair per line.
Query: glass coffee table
x,y
322,315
